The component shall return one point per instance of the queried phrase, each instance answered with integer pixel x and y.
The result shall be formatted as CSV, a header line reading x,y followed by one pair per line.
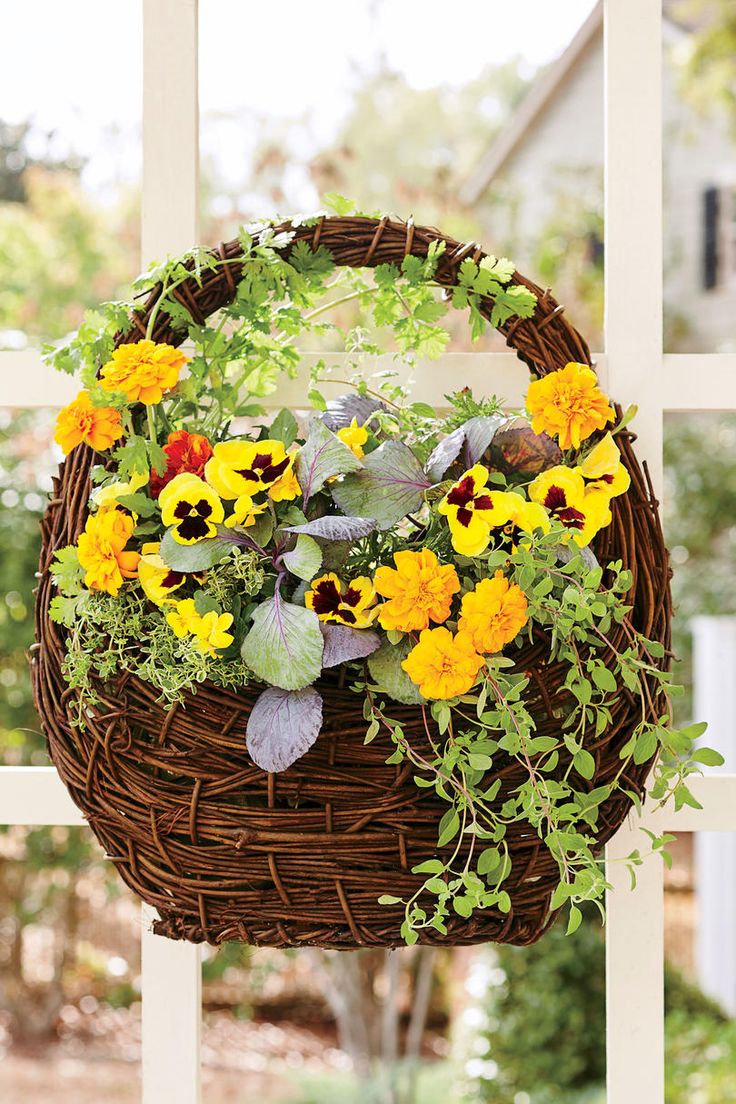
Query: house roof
x,y
543,91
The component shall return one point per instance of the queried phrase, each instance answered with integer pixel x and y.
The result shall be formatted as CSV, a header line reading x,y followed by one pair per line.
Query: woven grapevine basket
x,y
225,851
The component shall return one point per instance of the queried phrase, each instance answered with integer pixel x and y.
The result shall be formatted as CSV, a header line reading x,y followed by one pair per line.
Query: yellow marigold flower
x,y
286,488
143,371
472,511
158,581
98,426
561,491
349,603
419,590
493,614
568,404
442,665
239,468
354,436
602,469
209,630
191,508
101,549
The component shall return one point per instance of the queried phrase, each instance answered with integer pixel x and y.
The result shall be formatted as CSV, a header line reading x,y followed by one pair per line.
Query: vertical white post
x,y
633,264
171,972
714,682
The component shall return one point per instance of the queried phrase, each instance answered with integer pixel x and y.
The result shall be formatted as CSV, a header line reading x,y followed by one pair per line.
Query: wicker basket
x,y
225,851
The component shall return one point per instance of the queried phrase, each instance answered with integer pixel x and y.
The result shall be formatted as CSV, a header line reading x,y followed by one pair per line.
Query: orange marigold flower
x,y
493,614
185,452
442,665
349,603
568,404
101,549
419,590
143,371
98,426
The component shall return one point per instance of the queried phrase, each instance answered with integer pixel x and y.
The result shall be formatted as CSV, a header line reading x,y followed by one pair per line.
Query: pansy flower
x,y
185,452
526,517
562,492
158,580
240,468
472,511
108,496
354,436
602,469
191,508
286,488
351,603
209,629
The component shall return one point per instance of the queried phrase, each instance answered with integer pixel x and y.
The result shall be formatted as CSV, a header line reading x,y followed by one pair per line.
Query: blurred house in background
x,y
540,180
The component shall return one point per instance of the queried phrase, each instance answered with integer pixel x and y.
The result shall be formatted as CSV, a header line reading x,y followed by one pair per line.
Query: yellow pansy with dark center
x,y
472,511
191,508
157,579
345,603
562,492
239,468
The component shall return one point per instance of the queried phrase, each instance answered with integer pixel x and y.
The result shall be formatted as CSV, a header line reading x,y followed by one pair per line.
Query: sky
x,y
74,68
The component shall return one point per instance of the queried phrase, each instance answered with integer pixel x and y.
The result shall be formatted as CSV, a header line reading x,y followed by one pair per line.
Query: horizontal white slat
x,y
35,796
685,381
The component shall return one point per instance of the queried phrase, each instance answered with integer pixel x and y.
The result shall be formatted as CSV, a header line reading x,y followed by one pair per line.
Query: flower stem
x,y
151,424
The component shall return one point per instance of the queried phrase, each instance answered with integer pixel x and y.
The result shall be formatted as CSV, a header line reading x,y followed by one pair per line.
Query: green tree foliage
x,y
709,74
546,1028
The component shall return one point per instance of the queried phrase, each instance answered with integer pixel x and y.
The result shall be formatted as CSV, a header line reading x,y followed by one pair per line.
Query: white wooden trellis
x,y
634,369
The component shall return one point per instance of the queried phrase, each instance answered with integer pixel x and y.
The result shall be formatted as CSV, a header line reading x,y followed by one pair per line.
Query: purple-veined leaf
x,y
343,643
385,668
282,726
390,485
284,646
322,456
305,558
334,527
342,409
517,448
468,442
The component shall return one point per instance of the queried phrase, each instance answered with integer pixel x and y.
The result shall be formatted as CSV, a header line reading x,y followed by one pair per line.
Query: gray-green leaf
x,y
305,559
194,557
385,668
284,647
322,456
390,485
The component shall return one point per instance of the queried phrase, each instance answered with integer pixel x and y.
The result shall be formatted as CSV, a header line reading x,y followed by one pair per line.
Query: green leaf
x,y
284,647
138,504
67,572
284,428
604,679
430,866
574,918
646,745
489,860
584,763
305,559
322,457
386,670
188,558
449,827
388,899
390,485
709,757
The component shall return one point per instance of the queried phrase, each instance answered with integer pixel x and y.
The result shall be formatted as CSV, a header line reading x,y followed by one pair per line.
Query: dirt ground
x,y
98,1059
